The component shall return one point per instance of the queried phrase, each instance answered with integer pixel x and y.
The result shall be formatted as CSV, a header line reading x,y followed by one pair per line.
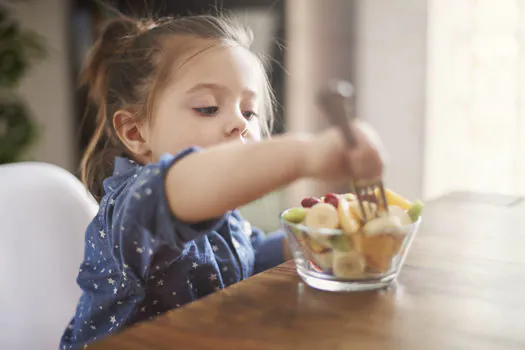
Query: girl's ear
x,y
130,132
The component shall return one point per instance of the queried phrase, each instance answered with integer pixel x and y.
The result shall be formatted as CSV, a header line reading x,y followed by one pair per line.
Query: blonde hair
x,y
126,68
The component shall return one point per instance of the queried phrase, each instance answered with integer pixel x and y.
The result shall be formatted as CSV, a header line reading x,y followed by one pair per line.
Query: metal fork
x,y
335,102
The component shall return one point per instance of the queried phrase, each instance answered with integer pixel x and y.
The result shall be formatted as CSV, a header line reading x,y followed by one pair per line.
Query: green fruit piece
x,y
295,215
415,210
341,243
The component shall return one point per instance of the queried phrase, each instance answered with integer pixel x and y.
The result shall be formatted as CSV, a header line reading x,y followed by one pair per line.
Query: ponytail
x,y
97,160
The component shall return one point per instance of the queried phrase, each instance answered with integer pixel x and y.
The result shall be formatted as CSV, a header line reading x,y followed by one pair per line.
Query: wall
x,y
48,89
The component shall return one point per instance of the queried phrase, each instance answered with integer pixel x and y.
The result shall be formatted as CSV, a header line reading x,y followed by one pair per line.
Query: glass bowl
x,y
330,260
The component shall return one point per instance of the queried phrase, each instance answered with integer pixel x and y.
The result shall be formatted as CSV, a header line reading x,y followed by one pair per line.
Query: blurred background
x,y
442,81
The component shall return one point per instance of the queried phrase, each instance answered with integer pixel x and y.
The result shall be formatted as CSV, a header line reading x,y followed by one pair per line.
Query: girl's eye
x,y
249,115
207,111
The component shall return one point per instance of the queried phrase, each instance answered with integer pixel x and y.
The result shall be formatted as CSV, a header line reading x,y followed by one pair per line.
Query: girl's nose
x,y
235,125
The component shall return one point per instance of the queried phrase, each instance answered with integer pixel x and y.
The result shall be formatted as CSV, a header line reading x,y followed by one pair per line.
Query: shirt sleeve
x,y
143,225
268,249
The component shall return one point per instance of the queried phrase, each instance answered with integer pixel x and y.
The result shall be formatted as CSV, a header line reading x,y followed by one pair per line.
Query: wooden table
x,y
462,287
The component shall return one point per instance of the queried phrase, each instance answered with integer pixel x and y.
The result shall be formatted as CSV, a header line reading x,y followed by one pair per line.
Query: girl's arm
x,y
206,184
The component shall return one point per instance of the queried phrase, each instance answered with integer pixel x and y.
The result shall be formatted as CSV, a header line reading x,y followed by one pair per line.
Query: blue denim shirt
x,y
141,261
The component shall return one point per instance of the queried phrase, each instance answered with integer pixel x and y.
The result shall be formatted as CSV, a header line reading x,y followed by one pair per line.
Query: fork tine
x,y
370,190
383,196
360,201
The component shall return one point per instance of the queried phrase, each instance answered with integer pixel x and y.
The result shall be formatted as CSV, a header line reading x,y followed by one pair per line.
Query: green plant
x,y
18,50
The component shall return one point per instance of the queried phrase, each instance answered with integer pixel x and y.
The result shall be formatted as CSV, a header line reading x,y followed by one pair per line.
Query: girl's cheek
x,y
253,132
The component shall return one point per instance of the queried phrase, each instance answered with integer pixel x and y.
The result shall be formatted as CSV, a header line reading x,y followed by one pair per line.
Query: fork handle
x,y
333,101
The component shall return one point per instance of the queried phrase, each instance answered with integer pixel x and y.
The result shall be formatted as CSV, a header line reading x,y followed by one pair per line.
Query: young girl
x,y
179,103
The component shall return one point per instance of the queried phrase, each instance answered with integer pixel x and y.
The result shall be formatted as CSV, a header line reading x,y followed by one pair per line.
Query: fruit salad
x,y
335,238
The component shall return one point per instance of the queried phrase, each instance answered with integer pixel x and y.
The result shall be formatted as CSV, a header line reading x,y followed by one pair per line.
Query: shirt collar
x,y
123,169
123,165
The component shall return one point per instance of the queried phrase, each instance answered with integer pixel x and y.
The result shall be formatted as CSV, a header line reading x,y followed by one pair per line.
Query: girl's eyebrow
x,y
219,88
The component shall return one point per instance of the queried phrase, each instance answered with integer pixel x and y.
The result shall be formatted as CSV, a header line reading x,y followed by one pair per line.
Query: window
x,y
475,126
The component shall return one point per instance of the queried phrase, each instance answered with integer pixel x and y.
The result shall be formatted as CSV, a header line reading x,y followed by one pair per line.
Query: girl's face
x,y
214,97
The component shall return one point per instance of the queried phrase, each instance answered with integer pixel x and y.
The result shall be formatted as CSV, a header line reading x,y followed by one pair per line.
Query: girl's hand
x,y
329,157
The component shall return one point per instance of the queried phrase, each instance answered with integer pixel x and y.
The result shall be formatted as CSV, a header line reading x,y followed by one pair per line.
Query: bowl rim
x,y
334,231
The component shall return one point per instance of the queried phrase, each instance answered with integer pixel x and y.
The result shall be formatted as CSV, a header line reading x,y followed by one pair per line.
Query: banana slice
x,y
322,215
347,264
349,224
383,225
369,207
398,212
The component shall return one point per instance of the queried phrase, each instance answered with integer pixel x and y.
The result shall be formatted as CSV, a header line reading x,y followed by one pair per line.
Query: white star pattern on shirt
x,y
155,302
93,245
111,201
95,285
121,228
119,302
160,283
150,251
194,265
148,191
109,270
174,293
143,309
92,327
212,277
140,250
225,268
116,246
157,267
115,290
137,195
112,319
156,171
125,266
215,248
100,307
111,281
124,273
247,228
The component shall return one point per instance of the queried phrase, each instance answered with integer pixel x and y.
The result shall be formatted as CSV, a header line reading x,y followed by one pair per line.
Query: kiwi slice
x,y
295,215
415,210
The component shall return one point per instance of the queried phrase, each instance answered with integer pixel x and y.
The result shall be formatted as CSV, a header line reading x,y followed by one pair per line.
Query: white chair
x,y
44,212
